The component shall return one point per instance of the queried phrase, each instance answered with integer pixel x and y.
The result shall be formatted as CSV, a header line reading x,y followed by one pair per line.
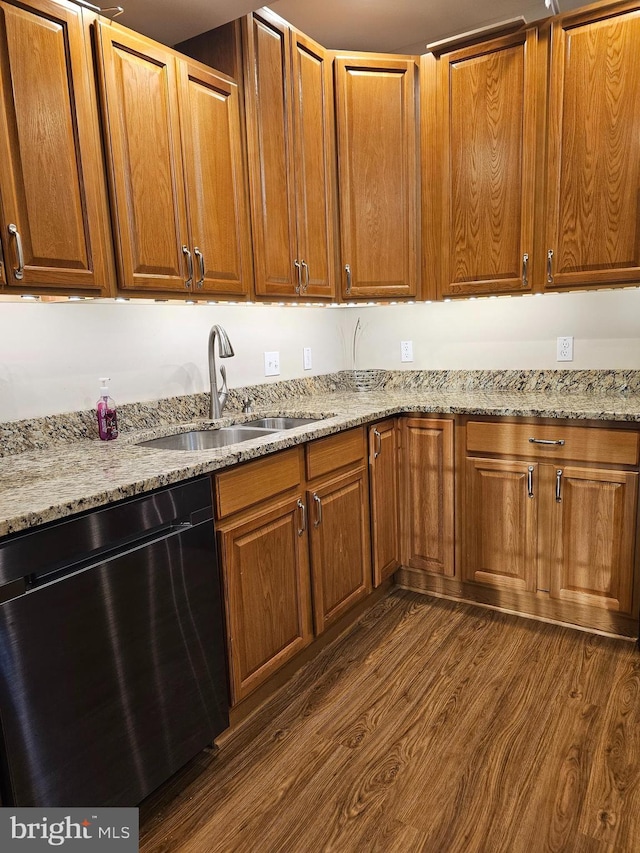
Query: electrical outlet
x,y
272,364
406,350
564,349
306,358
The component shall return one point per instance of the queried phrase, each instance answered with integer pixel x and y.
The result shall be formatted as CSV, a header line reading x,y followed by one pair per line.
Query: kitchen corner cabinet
x,y
551,510
427,494
385,498
378,175
176,169
55,221
487,119
291,149
592,234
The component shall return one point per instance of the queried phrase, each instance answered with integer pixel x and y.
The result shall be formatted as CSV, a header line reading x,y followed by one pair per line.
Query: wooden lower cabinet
x,y
340,549
385,499
267,591
427,494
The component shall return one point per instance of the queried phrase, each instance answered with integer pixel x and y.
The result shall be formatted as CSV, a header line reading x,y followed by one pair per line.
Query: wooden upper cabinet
x,y
217,206
55,221
289,113
487,109
593,181
378,177
140,99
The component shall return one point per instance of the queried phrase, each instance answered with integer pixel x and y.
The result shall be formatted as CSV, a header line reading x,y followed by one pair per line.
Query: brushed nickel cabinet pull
x,y
318,503
530,481
18,273
303,512
550,266
525,270
189,279
559,486
200,257
347,269
378,449
559,442
298,267
305,267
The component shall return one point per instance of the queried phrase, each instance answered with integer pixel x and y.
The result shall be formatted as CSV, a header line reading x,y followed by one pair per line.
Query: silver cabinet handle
x,y
347,269
559,486
525,270
378,449
200,257
559,442
530,470
318,503
305,267
189,280
298,267
550,266
18,273
303,512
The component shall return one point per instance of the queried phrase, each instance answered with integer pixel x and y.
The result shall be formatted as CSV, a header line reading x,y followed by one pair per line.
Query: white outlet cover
x,y
564,347
272,364
406,350
306,358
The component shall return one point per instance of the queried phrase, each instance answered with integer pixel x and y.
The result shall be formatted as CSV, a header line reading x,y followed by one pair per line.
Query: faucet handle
x,y
246,406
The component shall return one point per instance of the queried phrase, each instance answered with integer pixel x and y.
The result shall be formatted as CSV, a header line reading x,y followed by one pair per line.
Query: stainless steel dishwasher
x,y
112,658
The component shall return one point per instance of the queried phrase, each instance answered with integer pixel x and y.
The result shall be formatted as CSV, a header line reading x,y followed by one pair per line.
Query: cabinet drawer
x,y
588,444
335,451
257,481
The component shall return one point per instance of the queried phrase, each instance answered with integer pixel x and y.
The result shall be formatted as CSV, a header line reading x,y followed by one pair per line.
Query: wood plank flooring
x,y
432,726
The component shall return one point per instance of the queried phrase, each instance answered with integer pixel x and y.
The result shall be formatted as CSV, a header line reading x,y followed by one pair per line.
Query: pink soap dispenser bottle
x,y
106,411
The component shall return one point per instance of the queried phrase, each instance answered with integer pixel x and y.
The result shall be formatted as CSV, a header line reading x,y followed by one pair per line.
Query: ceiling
x,y
384,26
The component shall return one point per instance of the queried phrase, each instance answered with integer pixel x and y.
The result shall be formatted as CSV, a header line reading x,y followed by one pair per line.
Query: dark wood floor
x,y
432,726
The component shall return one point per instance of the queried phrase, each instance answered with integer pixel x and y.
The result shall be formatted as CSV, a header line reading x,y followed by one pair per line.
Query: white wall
x,y
51,354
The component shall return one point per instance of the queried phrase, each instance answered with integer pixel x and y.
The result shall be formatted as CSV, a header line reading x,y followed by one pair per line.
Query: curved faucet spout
x,y
225,350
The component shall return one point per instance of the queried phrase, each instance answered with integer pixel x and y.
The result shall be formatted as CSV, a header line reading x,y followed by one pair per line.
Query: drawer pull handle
x,y
378,449
298,267
525,270
303,511
530,481
558,442
550,266
200,258
347,269
559,486
18,273
305,267
189,279
318,503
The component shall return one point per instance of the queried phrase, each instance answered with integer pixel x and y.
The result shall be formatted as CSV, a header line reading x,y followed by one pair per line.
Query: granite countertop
x,y
39,486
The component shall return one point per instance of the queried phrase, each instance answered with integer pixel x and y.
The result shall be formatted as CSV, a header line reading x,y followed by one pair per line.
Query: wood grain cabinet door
x,y
315,166
378,178
488,126
217,205
500,524
593,533
55,221
340,546
267,593
140,100
385,499
593,180
427,484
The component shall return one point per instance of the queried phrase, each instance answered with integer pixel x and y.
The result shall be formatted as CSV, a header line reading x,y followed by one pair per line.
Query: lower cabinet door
x,y
593,525
500,524
340,550
385,510
267,592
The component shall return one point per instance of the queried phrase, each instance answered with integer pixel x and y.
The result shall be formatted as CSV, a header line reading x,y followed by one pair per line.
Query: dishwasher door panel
x,y
113,677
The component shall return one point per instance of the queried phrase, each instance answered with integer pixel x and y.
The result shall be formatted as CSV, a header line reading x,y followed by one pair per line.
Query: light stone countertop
x,y
40,486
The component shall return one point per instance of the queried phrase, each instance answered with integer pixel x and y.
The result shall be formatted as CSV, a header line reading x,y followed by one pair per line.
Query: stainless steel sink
x,y
280,423
206,439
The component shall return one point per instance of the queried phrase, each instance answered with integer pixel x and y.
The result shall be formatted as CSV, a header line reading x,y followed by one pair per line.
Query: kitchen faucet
x,y
225,350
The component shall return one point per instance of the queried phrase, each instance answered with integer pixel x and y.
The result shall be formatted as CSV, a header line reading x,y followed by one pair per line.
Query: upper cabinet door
x,y
488,126
378,179
215,179
314,133
140,99
593,183
271,152
55,222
